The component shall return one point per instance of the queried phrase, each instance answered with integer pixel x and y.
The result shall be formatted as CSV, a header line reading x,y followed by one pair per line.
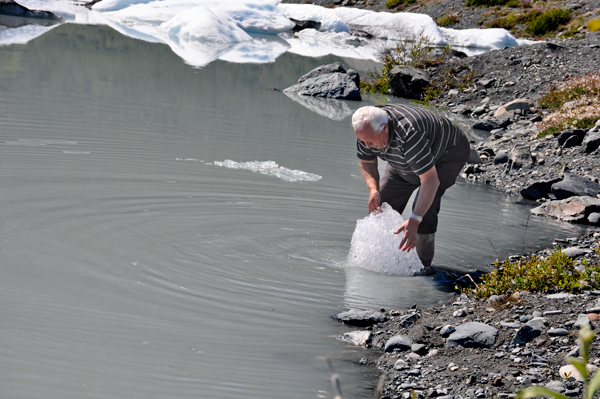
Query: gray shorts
x,y
396,188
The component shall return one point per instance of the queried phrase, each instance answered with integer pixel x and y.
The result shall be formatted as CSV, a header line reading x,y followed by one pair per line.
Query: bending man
x,y
424,151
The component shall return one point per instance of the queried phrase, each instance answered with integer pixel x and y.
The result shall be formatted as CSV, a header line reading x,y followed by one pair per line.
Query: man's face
x,y
371,139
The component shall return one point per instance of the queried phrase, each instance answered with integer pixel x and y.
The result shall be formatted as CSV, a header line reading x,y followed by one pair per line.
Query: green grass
x,y
548,21
397,3
593,25
448,20
555,273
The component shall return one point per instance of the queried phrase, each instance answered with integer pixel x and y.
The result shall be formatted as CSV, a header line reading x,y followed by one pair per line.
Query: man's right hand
x,y
374,202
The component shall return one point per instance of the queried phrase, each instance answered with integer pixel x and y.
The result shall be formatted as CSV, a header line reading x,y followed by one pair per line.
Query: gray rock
x,y
558,332
419,349
560,295
556,386
573,252
330,81
573,352
538,359
488,125
501,157
591,142
520,157
575,185
594,218
414,372
400,365
574,209
553,312
520,104
525,318
401,342
408,82
360,318
447,330
539,189
473,335
459,313
582,321
537,313
570,137
509,324
529,331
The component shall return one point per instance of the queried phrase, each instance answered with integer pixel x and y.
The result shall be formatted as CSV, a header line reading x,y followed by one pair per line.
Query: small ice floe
x,y
270,168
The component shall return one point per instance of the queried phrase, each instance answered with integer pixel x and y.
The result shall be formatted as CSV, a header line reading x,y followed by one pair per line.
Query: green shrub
x,y
448,20
556,272
396,3
548,21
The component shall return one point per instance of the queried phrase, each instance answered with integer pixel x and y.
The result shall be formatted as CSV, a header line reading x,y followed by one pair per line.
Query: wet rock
x,y
487,125
574,209
400,342
360,318
501,157
574,185
330,81
473,335
408,82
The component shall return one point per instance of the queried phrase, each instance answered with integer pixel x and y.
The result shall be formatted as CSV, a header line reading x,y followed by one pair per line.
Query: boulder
x,y
539,189
487,125
408,82
473,335
401,342
358,338
574,185
521,104
331,81
591,142
574,209
570,138
10,7
360,318
501,157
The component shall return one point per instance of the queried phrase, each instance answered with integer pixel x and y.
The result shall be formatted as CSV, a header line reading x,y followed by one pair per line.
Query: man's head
x,y
371,126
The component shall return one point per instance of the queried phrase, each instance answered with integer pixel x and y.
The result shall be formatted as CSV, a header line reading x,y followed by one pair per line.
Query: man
x,y
424,151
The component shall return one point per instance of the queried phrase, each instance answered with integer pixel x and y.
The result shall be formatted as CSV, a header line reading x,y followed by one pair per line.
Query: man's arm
x,y
429,186
370,174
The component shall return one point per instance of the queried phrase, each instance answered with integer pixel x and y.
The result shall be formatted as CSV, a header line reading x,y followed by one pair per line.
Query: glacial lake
x,y
133,265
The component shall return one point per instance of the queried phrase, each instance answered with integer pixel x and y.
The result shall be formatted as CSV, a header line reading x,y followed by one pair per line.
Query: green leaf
x,y
538,391
580,366
593,387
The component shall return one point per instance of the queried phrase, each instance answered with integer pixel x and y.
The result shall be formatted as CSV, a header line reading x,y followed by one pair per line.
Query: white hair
x,y
375,117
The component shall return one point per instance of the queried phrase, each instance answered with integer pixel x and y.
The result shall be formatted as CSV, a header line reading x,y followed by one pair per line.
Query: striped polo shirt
x,y
418,139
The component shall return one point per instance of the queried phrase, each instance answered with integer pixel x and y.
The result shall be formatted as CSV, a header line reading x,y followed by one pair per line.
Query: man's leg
x,y
448,168
396,189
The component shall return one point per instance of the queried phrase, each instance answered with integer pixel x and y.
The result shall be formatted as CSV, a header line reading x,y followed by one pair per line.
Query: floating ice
x,y
270,168
375,246
201,31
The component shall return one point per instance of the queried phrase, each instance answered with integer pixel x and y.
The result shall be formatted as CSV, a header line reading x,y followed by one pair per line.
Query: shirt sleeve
x,y
363,152
418,151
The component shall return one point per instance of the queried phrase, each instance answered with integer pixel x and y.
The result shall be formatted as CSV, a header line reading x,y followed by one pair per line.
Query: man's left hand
x,y
409,241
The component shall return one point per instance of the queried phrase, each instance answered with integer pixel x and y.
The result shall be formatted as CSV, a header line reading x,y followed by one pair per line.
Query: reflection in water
x,y
328,107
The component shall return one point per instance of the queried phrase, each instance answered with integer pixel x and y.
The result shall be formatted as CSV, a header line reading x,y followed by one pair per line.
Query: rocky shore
x,y
469,348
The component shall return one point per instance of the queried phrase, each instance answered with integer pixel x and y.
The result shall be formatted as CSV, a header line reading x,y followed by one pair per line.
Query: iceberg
x,y
374,245
258,31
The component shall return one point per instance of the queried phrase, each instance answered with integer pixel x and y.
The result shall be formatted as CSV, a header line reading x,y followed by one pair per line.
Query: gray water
x,y
131,265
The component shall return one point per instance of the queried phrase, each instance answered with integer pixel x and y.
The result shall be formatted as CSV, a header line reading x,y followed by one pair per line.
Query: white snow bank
x,y
479,38
374,245
271,168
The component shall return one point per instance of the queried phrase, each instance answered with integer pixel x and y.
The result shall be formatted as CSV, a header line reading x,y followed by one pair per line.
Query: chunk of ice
x,y
375,246
270,168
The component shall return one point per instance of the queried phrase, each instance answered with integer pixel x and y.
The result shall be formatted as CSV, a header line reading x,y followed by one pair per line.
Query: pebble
x,y
557,332
400,365
552,312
